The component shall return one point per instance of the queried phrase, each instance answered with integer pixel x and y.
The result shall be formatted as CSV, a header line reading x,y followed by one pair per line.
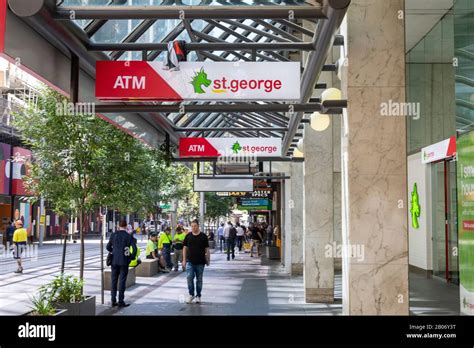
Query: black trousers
x,y
230,248
240,242
119,277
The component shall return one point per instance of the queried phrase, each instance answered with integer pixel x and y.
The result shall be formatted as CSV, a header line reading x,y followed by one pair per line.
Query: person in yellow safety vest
x,y
136,261
164,246
178,247
20,237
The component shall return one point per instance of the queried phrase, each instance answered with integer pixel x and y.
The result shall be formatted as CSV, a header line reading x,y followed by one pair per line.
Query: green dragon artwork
x,y
415,208
199,79
236,147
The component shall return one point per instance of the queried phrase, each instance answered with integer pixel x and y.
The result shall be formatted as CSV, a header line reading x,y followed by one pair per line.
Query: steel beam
x,y
189,12
335,11
310,107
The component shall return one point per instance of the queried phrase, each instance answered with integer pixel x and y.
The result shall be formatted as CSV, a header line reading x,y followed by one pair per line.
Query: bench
x,y
148,268
131,278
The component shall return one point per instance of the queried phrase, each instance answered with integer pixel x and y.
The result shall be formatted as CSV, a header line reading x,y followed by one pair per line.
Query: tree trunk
x,y
82,254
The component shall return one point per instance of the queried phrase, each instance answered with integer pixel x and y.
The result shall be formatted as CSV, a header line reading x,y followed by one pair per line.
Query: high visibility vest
x,y
134,262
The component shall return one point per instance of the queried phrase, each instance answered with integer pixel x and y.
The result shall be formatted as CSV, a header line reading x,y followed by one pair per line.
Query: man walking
x,y
231,242
195,255
120,245
240,236
20,237
220,236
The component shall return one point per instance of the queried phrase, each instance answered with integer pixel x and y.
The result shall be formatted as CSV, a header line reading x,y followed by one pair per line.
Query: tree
x,y
217,206
80,162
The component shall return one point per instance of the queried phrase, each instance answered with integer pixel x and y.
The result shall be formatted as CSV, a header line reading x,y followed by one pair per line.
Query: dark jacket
x,y
10,231
232,233
119,245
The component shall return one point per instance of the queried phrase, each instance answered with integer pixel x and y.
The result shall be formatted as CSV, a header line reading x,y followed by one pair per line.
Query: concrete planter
x,y
86,307
59,312
131,278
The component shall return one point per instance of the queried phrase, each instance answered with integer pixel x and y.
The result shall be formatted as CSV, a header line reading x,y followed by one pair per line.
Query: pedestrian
x,y
9,233
20,237
196,255
226,235
178,247
164,247
220,236
231,242
134,249
120,245
269,235
256,239
240,236
150,251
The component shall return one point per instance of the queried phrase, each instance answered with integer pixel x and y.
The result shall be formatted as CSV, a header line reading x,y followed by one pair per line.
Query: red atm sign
x,y
228,147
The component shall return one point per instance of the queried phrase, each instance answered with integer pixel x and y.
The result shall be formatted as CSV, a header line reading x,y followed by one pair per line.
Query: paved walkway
x,y
244,286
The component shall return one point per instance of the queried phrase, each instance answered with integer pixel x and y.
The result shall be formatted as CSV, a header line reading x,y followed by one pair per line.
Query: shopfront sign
x,y
465,189
254,204
230,147
141,80
439,151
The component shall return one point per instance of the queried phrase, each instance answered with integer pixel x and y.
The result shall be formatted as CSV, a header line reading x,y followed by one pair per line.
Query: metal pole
x,y
104,222
41,225
202,203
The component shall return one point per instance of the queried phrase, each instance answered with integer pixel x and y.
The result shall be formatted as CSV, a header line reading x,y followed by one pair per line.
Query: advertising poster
x,y
4,169
21,157
465,176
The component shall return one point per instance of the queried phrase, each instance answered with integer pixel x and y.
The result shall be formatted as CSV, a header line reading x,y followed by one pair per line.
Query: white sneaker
x,y
198,299
190,299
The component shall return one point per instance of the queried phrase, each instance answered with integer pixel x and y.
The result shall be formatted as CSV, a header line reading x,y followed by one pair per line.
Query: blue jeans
x,y
194,270
167,255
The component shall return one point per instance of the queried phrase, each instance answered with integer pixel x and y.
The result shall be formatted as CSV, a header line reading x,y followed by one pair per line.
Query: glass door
x,y
444,221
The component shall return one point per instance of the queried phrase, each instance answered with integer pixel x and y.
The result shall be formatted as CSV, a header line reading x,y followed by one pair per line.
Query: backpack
x,y
232,233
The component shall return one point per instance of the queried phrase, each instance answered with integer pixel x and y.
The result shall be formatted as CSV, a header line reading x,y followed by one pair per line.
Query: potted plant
x,y
65,292
43,306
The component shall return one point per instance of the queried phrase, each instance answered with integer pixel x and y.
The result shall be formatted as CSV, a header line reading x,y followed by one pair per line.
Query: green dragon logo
x,y
199,79
236,147
415,208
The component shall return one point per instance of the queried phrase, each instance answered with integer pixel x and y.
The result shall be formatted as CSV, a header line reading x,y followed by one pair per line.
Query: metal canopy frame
x,y
265,31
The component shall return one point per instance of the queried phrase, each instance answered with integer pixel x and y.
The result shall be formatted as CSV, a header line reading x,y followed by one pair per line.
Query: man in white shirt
x,y
226,234
240,236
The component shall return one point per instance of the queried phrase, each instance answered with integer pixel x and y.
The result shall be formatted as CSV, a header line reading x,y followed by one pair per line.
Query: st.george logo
x,y
200,79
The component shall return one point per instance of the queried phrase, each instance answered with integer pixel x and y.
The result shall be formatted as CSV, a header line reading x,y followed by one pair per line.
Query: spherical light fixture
x,y
331,94
320,122
300,146
297,153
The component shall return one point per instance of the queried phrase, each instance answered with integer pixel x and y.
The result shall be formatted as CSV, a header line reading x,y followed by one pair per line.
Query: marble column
x,y
296,205
375,270
318,270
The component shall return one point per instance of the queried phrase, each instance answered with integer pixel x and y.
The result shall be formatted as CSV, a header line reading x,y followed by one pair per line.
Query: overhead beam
x,y
189,12
203,46
330,107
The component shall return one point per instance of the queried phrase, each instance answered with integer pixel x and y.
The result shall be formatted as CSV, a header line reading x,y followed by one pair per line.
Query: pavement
x,y
244,286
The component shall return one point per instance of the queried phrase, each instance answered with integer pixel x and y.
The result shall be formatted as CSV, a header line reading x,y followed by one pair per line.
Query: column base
x,y
319,295
296,269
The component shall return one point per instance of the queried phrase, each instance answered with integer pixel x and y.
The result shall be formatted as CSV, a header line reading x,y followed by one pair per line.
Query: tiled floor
x,y
245,286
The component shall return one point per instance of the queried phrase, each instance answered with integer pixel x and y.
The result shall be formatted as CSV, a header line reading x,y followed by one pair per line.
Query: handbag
x,y
108,262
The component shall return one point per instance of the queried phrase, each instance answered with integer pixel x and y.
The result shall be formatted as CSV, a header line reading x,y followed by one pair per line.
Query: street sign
x,y
230,147
141,80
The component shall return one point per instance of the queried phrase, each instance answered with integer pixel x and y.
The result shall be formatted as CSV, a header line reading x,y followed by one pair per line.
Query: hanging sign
x,y
228,147
141,80
443,149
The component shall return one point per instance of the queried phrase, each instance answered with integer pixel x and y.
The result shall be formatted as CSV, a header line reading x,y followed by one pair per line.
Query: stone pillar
x,y
296,205
318,270
375,277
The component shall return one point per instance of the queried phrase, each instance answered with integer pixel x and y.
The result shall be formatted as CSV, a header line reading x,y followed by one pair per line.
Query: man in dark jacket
x,y
231,241
119,245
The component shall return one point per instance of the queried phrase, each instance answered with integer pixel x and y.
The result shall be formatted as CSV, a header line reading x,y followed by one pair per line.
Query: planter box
x,y
273,253
59,312
148,268
86,307
131,278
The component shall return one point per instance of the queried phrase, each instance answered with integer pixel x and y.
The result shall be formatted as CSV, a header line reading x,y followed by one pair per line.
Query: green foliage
x,y
217,206
64,288
42,304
